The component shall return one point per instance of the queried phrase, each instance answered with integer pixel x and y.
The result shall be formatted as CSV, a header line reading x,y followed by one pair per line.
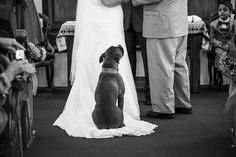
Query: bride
x,y
98,27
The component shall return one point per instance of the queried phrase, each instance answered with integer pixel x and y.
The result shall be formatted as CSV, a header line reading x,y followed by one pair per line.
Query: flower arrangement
x,y
36,52
228,66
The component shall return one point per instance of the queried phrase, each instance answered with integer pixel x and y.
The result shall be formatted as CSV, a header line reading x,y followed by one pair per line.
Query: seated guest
x,y
8,70
8,41
22,14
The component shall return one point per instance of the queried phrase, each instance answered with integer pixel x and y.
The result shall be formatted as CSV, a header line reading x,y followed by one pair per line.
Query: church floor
x,y
205,133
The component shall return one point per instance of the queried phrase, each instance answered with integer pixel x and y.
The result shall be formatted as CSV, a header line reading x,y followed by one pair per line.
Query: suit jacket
x,y
133,16
217,35
164,18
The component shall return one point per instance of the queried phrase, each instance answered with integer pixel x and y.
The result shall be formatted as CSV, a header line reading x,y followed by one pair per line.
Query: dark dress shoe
x,y
187,110
153,114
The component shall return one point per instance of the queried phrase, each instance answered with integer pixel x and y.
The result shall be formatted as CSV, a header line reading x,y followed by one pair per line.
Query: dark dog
x,y
110,88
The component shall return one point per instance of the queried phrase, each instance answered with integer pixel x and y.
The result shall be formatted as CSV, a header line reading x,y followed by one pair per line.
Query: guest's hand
x,y
10,44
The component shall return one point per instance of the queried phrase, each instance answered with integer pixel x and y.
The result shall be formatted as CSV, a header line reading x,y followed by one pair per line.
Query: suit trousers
x,y
131,39
168,73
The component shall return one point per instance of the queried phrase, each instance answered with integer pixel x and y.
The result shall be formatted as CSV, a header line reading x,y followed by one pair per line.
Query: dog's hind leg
x,y
97,121
121,101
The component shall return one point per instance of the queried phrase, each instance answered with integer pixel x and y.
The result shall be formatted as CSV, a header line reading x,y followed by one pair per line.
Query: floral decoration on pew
x,y
228,66
36,52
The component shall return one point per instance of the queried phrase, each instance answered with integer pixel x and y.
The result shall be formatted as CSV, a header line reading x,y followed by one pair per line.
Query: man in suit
x,y
165,27
133,25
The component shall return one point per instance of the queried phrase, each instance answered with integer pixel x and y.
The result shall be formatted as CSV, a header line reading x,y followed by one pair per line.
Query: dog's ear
x,y
102,57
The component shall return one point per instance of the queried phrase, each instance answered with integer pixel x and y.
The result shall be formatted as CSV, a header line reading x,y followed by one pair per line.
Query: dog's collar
x,y
110,70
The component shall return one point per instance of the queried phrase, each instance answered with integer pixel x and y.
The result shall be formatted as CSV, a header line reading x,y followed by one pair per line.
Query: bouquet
x,y
228,66
36,53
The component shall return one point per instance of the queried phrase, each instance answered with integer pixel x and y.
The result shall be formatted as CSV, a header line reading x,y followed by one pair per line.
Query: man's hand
x,y
125,1
10,44
143,2
111,3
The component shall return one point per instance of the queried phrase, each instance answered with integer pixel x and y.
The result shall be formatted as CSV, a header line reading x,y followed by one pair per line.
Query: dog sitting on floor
x,y
110,89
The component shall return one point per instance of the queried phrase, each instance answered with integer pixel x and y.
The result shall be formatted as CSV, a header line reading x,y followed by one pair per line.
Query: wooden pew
x,y
19,106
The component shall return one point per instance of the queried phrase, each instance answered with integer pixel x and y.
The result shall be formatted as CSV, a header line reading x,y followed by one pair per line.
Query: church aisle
x,y
204,133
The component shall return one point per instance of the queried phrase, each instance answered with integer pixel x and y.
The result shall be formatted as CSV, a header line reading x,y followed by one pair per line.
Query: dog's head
x,y
111,56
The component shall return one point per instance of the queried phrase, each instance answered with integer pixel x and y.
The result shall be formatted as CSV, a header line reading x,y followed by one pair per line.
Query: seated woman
x,y
8,70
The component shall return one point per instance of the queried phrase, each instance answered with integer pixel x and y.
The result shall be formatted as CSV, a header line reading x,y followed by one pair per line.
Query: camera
x,y
20,55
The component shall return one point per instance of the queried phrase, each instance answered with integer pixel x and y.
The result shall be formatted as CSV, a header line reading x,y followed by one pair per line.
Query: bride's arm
x,y
112,3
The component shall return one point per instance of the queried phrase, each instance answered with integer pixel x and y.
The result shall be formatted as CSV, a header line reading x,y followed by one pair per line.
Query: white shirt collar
x,y
227,20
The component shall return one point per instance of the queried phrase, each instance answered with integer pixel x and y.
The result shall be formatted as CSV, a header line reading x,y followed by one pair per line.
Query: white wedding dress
x,y
98,27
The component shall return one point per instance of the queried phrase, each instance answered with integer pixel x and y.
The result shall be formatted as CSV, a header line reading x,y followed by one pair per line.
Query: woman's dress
x,y
97,28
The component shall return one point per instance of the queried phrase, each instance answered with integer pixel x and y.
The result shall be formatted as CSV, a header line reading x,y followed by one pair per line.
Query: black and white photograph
x,y
117,78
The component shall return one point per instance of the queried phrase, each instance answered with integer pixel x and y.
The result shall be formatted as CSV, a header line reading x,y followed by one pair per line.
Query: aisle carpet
x,y
205,133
